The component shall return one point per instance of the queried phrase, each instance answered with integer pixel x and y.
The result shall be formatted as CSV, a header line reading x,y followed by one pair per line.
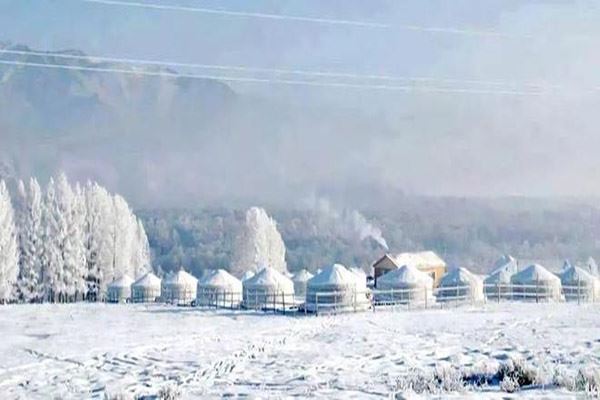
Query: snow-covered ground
x,y
85,350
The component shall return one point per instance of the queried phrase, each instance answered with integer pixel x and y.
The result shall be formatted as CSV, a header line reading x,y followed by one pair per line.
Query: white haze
x,y
277,143
349,224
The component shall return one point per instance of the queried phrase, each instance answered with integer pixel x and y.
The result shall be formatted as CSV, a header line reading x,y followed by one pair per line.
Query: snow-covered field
x,y
85,350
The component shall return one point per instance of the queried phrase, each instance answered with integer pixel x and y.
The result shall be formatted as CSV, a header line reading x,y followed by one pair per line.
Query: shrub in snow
x,y
588,381
517,370
509,384
169,392
118,396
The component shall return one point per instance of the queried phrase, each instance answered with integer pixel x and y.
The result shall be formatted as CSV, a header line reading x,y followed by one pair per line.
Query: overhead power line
x,y
278,71
276,81
323,21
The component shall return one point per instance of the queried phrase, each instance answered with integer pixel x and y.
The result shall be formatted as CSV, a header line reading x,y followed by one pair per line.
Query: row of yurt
x,y
179,288
405,285
119,290
219,289
125,289
147,289
268,289
497,284
536,283
300,280
579,284
337,288
459,285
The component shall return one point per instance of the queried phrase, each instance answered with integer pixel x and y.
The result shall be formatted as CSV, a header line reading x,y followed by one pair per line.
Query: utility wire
x,y
298,72
324,21
225,78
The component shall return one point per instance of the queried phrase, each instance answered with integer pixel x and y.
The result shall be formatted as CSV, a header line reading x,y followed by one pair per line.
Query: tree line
x,y
66,242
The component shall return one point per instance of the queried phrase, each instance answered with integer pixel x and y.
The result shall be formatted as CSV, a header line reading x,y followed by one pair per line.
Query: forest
x,y
468,232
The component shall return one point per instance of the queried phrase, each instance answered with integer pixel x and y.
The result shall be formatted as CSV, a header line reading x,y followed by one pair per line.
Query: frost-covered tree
x,y
74,245
257,244
9,255
123,237
140,253
99,243
116,242
52,247
29,226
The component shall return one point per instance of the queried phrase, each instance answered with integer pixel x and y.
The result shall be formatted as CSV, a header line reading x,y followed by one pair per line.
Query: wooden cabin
x,y
426,261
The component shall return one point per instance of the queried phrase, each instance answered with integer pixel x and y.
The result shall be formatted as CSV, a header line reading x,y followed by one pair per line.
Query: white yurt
x,y
179,288
536,283
579,285
460,285
146,289
268,289
336,288
497,283
300,279
405,285
219,289
119,290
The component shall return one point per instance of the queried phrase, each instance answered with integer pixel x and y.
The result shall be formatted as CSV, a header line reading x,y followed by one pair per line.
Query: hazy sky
x,y
481,138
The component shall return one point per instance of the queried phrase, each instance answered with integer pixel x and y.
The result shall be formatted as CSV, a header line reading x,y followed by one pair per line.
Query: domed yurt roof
x,y
221,279
271,278
124,281
459,277
504,268
334,275
576,274
406,275
247,275
181,278
302,276
506,263
534,273
149,280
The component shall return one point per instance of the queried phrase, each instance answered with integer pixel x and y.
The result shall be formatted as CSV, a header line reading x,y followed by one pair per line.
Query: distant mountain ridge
x,y
87,122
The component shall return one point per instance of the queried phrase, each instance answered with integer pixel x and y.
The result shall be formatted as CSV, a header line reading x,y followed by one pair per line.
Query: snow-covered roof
x,y
505,263
334,275
247,275
459,277
406,274
123,281
575,274
302,276
149,280
221,279
534,273
504,268
180,278
271,278
421,259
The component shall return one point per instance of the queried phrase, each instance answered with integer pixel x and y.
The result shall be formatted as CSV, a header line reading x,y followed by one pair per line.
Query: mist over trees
x,y
67,242
466,232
